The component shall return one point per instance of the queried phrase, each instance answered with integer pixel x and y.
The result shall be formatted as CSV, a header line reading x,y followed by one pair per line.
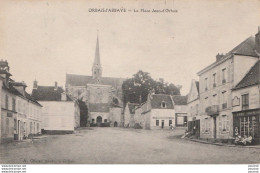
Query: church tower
x,y
96,68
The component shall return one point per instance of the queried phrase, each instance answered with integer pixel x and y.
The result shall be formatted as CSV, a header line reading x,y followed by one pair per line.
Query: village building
x,y
20,113
216,82
181,110
246,105
193,108
60,113
156,113
102,95
129,113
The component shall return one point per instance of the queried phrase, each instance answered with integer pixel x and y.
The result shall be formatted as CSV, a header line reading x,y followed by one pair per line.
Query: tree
x,y
137,88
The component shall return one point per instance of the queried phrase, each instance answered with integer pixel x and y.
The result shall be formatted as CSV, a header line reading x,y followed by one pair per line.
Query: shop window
x,y
157,122
248,126
245,102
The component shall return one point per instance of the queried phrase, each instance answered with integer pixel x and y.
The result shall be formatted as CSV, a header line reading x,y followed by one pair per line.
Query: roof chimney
x,y
4,71
257,41
219,57
35,84
56,85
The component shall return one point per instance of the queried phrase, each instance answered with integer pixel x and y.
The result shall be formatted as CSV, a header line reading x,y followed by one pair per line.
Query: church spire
x,y
96,68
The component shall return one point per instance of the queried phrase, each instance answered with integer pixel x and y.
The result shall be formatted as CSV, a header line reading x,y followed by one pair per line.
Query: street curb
x,y
220,144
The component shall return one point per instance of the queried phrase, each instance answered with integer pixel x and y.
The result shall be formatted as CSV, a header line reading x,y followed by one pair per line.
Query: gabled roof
x,y
246,48
82,80
99,107
14,91
180,100
157,99
48,93
251,78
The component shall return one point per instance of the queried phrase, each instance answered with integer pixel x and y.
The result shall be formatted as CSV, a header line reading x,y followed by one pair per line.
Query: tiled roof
x,y
180,100
14,91
82,80
251,78
157,99
98,107
48,93
246,48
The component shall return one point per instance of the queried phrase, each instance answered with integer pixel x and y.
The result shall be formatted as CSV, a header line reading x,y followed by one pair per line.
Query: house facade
x,y
215,94
20,113
156,113
60,113
181,110
193,101
246,105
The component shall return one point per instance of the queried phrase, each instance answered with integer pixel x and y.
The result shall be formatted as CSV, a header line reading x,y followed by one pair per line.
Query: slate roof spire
x,y
96,68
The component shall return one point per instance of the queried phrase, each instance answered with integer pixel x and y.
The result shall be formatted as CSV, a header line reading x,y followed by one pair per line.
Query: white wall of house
x,y
116,116
60,115
242,64
253,92
162,114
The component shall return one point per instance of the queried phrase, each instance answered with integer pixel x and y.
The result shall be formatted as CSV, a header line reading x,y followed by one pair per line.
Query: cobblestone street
x,y
122,146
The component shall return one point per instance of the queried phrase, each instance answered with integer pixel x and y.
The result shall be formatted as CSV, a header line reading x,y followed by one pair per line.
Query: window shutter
x,y
219,124
203,125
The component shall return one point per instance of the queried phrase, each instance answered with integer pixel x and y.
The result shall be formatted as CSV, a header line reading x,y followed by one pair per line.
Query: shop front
x,y
246,123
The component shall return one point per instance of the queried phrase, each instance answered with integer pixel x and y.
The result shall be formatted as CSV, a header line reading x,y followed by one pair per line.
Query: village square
x,y
97,119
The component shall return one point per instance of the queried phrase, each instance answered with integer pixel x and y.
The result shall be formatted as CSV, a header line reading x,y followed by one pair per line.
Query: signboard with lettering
x,y
247,113
235,101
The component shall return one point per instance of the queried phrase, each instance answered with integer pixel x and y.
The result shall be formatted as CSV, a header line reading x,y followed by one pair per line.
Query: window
x,y
224,75
170,122
6,101
206,84
224,97
105,120
245,102
224,123
207,125
163,105
31,127
214,80
38,127
157,122
197,109
93,120
13,104
7,126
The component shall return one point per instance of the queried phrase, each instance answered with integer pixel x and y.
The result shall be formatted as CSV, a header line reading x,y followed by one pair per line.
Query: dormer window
x,y
163,104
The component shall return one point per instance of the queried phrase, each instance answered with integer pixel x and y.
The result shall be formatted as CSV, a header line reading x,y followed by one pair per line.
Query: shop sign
x,y
247,113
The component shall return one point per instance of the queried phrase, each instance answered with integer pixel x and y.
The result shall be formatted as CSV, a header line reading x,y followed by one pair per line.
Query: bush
x,y
93,125
105,125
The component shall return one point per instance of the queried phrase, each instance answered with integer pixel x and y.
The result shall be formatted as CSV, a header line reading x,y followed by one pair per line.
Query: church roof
x,y
251,78
157,99
82,80
99,107
48,93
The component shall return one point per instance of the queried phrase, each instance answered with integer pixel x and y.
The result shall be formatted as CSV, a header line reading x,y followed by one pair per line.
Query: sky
x,y
45,39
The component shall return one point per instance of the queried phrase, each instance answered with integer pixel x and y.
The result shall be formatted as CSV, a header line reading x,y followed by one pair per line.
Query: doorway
x,y
215,127
115,124
99,121
162,124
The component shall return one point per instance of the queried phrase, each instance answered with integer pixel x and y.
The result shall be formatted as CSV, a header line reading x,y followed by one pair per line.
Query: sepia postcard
x,y
129,82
